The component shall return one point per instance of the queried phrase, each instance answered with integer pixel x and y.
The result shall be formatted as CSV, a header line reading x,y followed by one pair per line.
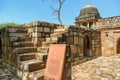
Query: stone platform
x,y
102,68
5,74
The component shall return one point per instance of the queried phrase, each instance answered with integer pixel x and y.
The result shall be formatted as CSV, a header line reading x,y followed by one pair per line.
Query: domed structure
x,y
88,13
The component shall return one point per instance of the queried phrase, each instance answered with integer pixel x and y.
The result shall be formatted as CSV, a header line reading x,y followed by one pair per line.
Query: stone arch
x,y
118,46
86,46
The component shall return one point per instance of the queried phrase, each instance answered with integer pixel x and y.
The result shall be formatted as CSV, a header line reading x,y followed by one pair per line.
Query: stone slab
x,y
55,62
46,29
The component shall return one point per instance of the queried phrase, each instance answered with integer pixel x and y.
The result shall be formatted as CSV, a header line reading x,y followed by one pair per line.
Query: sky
x,y
25,11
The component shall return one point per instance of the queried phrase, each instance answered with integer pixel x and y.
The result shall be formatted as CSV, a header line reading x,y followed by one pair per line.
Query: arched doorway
x,y
118,46
86,46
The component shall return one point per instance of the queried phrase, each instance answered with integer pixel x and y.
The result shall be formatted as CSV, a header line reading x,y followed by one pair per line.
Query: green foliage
x,y
8,24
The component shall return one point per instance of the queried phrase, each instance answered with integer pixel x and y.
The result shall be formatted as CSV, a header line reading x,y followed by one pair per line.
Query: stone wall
x,y
76,38
27,35
109,40
111,22
9,36
39,31
25,48
96,43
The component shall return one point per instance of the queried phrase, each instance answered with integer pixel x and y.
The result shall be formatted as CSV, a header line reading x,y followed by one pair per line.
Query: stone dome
x,y
88,12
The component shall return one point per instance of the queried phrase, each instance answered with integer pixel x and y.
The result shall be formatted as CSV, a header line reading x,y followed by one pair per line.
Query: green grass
x,y
8,24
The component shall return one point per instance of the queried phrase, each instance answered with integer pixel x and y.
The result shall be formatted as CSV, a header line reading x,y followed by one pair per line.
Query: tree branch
x,y
58,11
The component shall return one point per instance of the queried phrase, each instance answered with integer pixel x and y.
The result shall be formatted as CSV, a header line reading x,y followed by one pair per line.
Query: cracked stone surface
x,y
5,74
102,68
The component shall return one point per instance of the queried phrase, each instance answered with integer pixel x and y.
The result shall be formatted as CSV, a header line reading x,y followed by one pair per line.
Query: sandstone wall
x,y
111,22
10,35
39,31
25,48
109,41
27,35
96,43
75,38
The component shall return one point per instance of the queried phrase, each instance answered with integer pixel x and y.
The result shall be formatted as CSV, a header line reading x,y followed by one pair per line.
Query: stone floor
x,y
5,74
102,68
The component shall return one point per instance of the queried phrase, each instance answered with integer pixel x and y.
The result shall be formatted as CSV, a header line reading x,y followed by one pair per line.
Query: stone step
x,y
23,44
46,44
21,35
26,56
22,50
56,35
36,75
30,66
48,39
60,30
41,57
17,30
17,39
42,49
55,39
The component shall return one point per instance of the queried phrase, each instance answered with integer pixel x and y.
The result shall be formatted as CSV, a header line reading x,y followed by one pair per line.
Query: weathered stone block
x,y
23,57
48,39
59,30
70,40
56,34
71,33
47,35
30,30
35,66
16,30
22,50
54,39
42,57
76,40
23,44
13,39
46,44
43,49
36,34
73,49
47,29
17,34
75,33
37,75
38,29
31,66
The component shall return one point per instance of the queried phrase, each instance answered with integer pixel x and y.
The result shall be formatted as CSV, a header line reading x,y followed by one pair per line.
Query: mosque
x,y
109,27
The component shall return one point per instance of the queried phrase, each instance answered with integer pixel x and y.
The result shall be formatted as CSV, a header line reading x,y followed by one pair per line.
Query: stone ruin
x,y
24,49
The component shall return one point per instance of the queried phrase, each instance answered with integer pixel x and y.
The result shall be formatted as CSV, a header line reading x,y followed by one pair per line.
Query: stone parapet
x,y
111,22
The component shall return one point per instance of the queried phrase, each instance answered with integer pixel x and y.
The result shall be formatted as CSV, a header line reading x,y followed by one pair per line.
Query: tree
x,y
58,10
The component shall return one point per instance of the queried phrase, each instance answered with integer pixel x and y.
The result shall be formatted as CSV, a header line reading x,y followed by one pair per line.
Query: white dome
x,y
88,6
